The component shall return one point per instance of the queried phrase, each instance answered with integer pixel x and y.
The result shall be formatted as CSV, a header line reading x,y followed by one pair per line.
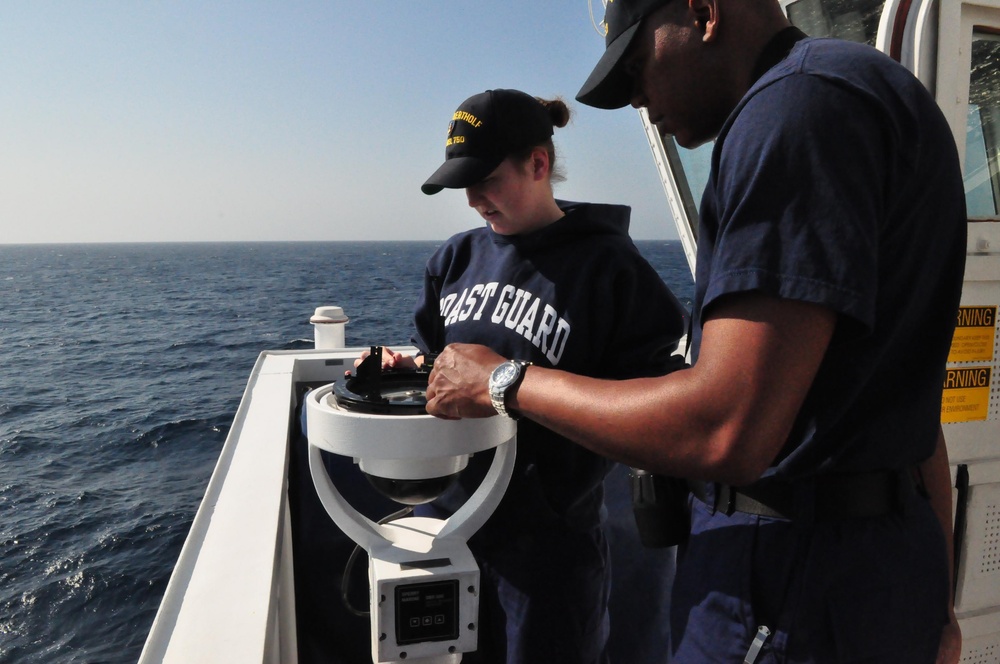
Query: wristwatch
x,y
503,379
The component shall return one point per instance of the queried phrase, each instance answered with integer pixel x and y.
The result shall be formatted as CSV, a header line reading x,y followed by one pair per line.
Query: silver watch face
x,y
505,374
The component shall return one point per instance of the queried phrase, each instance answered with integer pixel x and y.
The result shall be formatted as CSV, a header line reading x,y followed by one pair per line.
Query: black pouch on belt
x,y
660,507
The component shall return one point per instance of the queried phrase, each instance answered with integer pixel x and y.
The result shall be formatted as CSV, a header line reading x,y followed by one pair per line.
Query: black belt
x,y
822,498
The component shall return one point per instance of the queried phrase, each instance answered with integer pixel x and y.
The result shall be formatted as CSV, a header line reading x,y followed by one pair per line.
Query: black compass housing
x,y
373,391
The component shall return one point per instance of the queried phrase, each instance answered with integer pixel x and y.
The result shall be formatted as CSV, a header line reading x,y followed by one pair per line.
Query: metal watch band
x,y
498,394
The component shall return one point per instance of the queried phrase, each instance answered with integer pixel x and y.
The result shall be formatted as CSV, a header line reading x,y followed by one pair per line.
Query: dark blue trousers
x,y
862,590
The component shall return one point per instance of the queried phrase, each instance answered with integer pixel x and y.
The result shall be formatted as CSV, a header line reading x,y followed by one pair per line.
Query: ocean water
x,y
123,366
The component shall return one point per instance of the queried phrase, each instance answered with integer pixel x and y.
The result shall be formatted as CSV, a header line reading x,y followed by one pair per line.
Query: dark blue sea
x,y
123,366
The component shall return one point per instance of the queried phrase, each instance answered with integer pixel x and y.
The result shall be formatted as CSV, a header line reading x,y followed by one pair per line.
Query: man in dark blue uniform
x,y
830,264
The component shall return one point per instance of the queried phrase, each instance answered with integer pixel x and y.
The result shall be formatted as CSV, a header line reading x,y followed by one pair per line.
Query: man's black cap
x,y
485,130
608,86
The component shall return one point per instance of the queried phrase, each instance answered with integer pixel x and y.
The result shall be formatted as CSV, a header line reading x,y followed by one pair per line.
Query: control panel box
x,y
427,605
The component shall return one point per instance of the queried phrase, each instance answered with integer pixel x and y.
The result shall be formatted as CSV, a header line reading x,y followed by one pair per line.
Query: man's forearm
x,y
936,475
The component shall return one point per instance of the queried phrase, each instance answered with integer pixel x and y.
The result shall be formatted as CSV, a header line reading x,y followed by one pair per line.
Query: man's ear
x,y
706,13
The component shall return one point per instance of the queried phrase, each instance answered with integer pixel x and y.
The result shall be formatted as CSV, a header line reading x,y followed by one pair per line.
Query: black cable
x,y
345,582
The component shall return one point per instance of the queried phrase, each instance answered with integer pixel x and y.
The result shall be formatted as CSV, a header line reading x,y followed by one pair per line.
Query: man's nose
x,y
637,98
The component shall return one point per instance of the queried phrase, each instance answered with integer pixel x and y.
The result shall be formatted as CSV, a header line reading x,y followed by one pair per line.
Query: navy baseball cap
x,y
485,130
608,86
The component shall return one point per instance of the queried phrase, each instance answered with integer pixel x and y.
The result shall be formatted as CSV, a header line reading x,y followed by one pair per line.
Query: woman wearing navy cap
x,y
528,284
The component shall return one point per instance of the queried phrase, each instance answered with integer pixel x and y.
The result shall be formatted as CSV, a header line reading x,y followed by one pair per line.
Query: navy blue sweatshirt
x,y
576,295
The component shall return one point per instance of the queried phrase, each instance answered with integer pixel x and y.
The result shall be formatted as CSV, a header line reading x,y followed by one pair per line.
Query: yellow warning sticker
x,y
966,395
974,335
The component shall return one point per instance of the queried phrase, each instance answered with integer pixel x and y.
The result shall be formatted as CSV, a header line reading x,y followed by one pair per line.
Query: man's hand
x,y
950,650
459,383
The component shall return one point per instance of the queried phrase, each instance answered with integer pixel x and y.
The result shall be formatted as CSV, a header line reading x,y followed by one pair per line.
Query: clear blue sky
x,y
284,120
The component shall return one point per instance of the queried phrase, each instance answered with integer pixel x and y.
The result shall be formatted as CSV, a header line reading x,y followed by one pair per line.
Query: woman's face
x,y
507,197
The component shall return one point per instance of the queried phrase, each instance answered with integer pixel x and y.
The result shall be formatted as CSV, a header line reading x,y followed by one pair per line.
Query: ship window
x,y
854,20
697,164
982,142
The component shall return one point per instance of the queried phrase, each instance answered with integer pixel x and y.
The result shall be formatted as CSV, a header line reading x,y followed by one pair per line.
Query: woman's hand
x,y
393,360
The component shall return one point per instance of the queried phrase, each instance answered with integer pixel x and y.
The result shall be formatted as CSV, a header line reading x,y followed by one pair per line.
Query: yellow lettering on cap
x,y
467,117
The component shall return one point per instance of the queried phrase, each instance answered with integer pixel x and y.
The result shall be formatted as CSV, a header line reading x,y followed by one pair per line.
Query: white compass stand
x,y
424,582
